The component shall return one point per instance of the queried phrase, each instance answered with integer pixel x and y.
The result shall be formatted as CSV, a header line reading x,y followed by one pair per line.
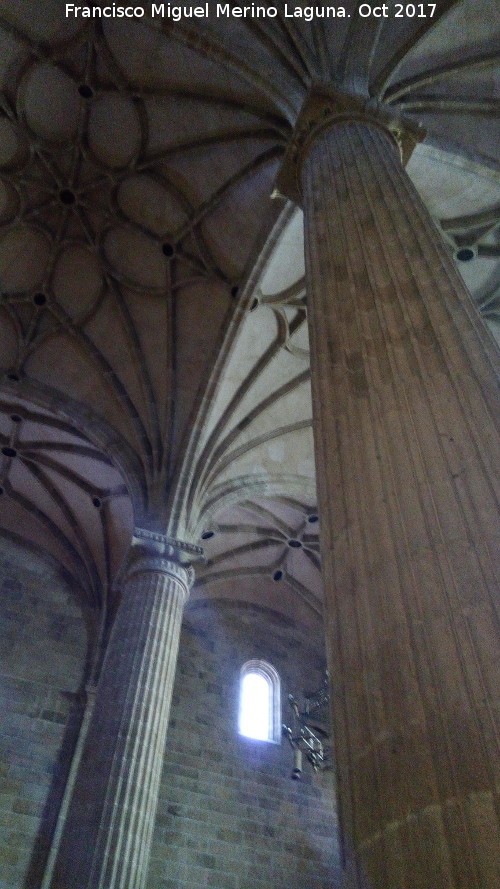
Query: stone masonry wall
x,y
42,655
230,816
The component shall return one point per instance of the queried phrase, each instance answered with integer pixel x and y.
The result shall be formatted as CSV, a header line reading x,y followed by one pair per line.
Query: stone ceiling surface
x,y
152,350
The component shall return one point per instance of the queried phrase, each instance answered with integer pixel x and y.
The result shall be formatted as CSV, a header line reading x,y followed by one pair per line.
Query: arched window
x,y
260,706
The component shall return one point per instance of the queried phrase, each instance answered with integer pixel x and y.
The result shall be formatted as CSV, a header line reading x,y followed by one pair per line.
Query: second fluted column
x,y
106,837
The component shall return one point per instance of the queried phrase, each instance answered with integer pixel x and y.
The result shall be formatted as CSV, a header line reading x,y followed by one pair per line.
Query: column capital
x,y
152,551
325,107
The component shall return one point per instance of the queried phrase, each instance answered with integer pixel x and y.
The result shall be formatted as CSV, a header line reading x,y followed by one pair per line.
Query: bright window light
x,y
255,707
260,702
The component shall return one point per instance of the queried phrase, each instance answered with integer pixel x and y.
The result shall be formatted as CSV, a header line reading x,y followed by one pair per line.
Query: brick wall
x,y
230,816
42,654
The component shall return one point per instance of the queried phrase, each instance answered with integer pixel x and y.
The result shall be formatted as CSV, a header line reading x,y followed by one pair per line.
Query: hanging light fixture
x,y
305,735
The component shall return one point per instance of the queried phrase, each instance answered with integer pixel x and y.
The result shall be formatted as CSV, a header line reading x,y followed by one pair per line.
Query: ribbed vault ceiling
x,y
155,357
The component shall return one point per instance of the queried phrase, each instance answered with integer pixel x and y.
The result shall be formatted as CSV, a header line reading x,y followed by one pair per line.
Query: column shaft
x,y
107,833
406,417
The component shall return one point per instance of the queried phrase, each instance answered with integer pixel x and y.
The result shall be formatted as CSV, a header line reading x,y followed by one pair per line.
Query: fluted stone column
x,y
107,833
406,421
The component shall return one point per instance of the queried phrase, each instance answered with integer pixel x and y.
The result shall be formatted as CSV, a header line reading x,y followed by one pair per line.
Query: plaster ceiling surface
x,y
153,336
